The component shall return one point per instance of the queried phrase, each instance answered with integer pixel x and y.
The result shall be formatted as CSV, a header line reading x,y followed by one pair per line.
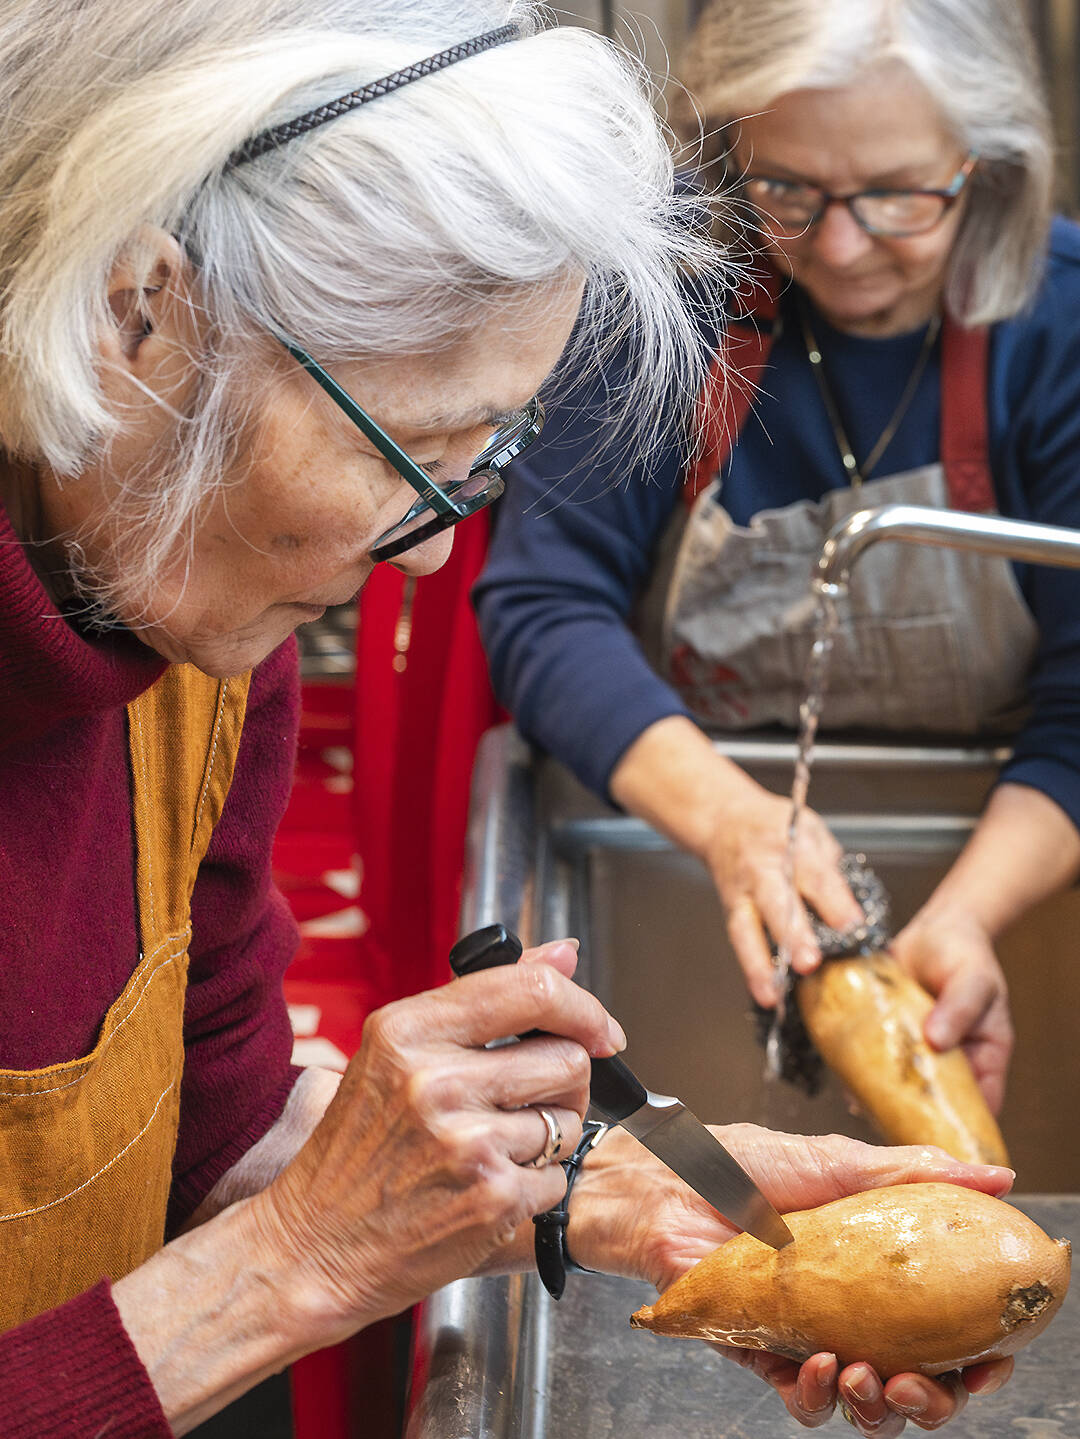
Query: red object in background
x,y
416,735
338,967
338,977
411,737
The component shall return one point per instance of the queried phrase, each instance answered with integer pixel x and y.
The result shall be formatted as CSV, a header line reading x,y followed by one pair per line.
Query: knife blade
x,y
663,1124
678,1138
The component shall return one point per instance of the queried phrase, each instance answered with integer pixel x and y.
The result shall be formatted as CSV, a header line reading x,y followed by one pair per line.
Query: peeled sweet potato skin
x,y
866,1017
913,1278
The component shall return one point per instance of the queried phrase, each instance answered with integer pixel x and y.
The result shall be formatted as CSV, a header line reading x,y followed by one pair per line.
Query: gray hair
x,y
380,234
976,59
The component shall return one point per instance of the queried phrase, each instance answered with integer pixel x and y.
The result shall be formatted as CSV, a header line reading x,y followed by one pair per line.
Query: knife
x,y
663,1124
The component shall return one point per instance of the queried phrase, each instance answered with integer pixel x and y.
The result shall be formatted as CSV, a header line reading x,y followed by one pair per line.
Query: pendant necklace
x,y
856,472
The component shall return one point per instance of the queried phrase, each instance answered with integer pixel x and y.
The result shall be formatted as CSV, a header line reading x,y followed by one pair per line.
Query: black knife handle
x,y
484,949
615,1090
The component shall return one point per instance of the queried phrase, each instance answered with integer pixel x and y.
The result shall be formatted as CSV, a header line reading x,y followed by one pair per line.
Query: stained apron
x,y
86,1147
930,640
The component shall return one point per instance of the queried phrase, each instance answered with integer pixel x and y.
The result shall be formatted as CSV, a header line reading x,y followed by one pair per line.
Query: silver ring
x,y
552,1145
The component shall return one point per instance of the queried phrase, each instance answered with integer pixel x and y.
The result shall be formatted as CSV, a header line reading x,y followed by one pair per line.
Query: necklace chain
x,y
860,473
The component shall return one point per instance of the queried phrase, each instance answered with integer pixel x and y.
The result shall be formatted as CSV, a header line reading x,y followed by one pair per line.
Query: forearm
x,y
209,1315
264,1161
1024,848
673,777
196,1325
212,1314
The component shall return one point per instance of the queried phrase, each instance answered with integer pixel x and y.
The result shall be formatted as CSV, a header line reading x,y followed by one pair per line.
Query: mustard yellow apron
x,y
86,1147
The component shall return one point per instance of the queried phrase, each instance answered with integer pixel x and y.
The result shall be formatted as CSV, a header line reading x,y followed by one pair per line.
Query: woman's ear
x,y
154,322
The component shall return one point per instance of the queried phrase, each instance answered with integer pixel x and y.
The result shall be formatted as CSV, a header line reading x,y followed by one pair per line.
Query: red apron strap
x,y
728,397
735,377
965,437
732,384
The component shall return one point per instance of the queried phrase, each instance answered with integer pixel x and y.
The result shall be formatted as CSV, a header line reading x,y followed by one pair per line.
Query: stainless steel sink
x,y
546,858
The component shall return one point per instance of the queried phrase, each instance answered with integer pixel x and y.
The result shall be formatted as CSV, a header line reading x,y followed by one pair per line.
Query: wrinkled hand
x,y
952,957
418,1171
746,857
631,1215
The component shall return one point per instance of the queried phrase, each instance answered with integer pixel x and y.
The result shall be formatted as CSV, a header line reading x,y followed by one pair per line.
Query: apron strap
x,y
965,421
733,381
731,387
735,377
184,735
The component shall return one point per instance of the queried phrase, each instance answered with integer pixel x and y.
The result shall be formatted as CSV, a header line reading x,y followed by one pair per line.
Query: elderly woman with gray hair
x,y
278,288
912,333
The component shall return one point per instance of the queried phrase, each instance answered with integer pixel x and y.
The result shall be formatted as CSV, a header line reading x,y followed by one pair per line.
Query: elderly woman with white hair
x,y
278,288
911,333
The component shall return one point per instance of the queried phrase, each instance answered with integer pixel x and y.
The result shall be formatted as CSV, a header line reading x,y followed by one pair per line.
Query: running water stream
x,y
815,685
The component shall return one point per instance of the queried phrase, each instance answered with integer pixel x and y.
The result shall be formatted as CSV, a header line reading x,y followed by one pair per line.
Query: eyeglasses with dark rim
x,y
438,507
791,207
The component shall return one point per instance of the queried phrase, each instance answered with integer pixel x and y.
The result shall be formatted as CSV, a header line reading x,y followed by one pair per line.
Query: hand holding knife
x,y
663,1124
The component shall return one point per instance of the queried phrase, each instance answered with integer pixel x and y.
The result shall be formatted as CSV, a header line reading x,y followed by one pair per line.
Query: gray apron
x,y
930,640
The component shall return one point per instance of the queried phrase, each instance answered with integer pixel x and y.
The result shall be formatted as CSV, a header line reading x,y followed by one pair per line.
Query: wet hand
x,y
952,957
814,1390
747,855
419,1171
631,1215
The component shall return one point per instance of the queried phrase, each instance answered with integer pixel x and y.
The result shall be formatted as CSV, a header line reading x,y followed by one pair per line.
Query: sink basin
x,y
547,856
496,1358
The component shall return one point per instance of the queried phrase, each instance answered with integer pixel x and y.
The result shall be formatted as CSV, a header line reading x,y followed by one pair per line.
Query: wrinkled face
x,y
291,529
881,132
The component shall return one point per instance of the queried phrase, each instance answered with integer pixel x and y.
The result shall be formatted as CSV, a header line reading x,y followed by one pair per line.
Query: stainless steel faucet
x,y
948,529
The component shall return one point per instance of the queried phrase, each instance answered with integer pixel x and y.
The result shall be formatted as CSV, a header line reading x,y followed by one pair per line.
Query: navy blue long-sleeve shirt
x,y
576,540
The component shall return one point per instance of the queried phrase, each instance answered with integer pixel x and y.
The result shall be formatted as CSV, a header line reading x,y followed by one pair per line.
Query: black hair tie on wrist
x,y
553,1262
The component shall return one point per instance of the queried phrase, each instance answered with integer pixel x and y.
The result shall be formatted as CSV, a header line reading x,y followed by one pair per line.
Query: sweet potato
x,y
866,1017
914,1278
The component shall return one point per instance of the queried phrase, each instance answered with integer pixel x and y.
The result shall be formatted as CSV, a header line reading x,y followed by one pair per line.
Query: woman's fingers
x,y
547,1142
425,1164
798,1171
929,1403
496,1003
862,1403
813,1398
981,1379
963,1003
954,959
812,1391
787,921
781,907
872,1166
989,1059
525,1136
544,1070
561,954
752,950
973,1010
748,861
818,876
808,1390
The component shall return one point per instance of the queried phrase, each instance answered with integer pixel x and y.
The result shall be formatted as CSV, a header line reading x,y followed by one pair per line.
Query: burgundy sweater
x,y
69,942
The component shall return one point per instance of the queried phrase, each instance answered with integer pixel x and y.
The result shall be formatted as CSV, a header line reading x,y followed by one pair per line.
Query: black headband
x,y
281,134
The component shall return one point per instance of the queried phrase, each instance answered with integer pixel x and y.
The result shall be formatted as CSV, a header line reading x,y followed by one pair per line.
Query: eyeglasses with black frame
x,y
438,507
791,207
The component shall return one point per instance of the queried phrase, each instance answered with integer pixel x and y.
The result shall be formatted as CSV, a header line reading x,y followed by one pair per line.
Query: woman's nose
x,y
838,239
425,559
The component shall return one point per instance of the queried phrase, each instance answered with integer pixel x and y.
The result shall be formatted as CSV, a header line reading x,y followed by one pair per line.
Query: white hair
x,y
977,61
379,234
